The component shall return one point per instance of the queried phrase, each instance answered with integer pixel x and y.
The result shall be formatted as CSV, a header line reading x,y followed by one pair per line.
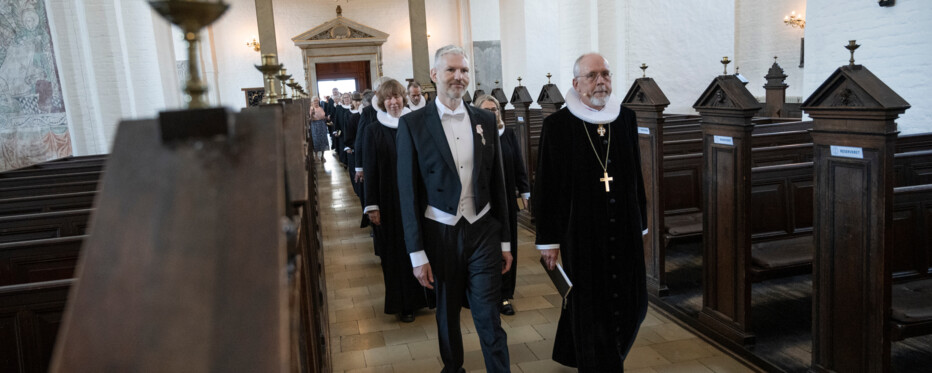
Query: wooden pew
x,y
48,179
48,189
31,315
43,225
39,260
47,203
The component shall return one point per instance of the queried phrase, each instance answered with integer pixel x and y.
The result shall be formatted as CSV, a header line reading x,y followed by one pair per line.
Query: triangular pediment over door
x,y
340,40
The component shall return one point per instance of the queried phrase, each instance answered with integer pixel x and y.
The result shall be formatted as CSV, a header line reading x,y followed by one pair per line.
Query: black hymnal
x,y
559,278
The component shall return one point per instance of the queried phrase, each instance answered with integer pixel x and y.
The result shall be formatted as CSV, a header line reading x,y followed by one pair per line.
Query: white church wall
x,y
111,67
761,35
896,45
682,43
485,20
293,17
514,39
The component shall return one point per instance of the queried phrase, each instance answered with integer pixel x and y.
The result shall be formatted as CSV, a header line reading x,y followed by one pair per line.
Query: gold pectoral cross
x,y
601,131
606,179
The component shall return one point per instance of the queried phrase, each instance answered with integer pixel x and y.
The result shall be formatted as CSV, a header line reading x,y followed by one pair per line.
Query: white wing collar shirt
x,y
458,129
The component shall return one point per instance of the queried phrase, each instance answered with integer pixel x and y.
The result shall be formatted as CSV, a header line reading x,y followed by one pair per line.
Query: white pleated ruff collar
x,y
388,120
415,107
608,114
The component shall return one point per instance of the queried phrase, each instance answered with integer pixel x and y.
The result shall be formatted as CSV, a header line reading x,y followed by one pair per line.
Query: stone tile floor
x,y
363,339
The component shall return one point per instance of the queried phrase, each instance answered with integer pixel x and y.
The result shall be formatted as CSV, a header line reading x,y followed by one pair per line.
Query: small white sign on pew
x,y
847,152
644,130
724,140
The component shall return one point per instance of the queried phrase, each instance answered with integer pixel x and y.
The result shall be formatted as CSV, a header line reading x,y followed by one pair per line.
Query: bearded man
x,y
589,205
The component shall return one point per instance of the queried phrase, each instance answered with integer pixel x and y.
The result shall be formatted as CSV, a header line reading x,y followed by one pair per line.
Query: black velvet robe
x,y
402,290
599,234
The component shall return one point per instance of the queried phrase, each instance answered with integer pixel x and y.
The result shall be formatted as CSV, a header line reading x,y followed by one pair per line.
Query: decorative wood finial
x,y
548,78
478,84
643,70
519,81
339,11
725,62
852,45
736,69
774,59
496,83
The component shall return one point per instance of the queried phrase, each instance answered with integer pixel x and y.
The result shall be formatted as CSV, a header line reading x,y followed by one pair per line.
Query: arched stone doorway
x,y
340,40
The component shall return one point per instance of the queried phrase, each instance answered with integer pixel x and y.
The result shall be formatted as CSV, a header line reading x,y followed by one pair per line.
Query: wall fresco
x,y
33,125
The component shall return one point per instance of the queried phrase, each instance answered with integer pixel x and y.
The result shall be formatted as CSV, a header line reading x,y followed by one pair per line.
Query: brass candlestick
x,y
283,77
852,45
725,62
269,67
191,17
643,70
294,88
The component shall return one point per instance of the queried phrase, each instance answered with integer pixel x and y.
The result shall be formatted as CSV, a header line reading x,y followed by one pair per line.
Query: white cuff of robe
x,y
346,148
644,232
526,195
358,169
549,246
506,247
370,208
418,258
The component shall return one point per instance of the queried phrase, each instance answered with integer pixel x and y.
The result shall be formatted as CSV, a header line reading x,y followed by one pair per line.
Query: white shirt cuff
x,y
370,208
526,195
644,232
506,246
358,169
418,258
346,148
548,246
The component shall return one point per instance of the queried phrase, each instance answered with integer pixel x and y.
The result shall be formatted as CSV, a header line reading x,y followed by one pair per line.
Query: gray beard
x,y
597,101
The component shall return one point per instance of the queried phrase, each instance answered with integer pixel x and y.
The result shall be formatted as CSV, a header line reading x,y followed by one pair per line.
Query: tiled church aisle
x,y
364,339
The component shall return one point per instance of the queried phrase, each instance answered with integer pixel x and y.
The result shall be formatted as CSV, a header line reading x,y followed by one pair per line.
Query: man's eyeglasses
x,y
607,75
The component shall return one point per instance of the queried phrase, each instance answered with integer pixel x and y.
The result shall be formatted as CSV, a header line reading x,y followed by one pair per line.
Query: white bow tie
x,y
457,116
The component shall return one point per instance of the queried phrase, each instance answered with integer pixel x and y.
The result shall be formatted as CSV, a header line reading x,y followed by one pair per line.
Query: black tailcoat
x,y
599,234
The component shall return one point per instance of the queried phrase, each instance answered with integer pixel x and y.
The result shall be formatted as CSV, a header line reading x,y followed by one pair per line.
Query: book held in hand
x,y
559,278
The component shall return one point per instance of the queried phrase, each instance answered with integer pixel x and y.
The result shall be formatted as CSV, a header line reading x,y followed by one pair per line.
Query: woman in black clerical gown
x,y
403,293
515,184
598,227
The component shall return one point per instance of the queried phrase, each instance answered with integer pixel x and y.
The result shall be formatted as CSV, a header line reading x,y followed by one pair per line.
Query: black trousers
x,y
466,260
510,278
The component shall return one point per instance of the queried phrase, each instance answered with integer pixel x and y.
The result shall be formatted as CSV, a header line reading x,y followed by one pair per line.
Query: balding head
x,y
592,80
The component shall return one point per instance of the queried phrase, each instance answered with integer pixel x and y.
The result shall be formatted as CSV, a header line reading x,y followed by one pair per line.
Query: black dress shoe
x,y
506,308
406,316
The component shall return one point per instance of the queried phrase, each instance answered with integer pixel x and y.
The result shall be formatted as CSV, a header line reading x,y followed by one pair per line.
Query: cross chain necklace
x,y
605,178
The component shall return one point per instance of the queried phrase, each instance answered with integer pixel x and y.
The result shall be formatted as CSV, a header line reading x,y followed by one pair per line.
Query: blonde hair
x,y
489,98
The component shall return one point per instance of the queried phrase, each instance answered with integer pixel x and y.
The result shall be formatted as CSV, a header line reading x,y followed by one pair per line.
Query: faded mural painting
x,y
33,125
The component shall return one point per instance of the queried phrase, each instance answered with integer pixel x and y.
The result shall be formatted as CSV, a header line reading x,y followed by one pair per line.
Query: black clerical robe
x,y
599,234
403,293
349,139
516,184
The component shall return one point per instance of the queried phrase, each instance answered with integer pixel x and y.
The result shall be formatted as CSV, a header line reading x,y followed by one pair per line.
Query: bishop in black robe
x,y
598,232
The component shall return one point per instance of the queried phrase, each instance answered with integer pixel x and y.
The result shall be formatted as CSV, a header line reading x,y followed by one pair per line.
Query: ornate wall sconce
x,y
253,44
794,20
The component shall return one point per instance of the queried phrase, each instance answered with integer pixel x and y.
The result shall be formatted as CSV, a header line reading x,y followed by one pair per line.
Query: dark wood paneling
x,y
358,70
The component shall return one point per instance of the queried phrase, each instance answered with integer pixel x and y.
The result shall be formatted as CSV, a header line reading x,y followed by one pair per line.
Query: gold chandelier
x,y
794,20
